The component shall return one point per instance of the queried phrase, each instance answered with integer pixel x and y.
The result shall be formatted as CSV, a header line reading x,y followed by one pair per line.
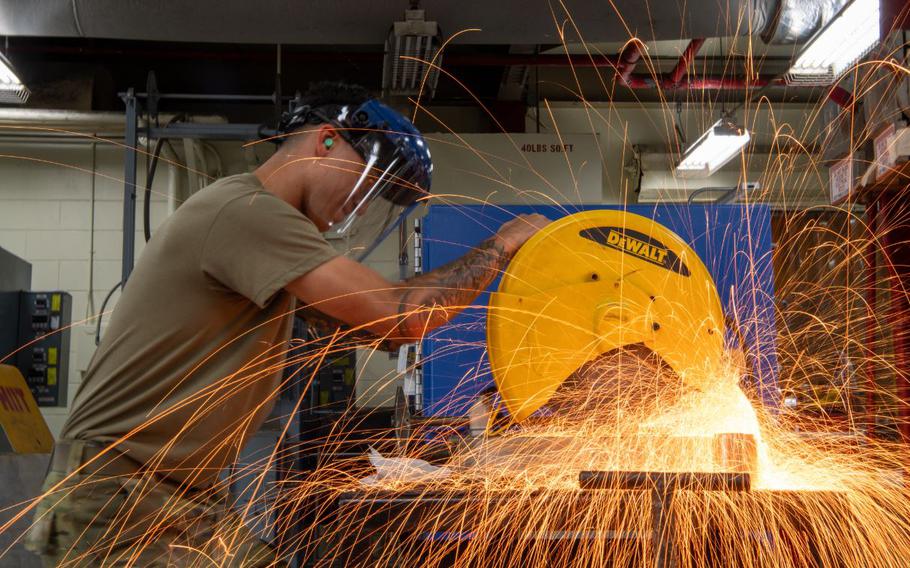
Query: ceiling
x,y
80,54
358,22
62,71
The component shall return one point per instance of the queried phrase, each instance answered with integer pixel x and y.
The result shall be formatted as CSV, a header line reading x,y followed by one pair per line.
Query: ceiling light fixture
x,y
846,39
713,149
411,46
12,89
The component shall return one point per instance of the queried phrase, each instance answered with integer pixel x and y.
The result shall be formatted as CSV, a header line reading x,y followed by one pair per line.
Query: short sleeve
x,y
258,244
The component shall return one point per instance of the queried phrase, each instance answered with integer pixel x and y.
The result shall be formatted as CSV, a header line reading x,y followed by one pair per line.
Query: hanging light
x,y
12,90
846,39
410,47
713,149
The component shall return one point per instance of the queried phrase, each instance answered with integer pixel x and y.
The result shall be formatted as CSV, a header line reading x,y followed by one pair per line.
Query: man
x,y
189,365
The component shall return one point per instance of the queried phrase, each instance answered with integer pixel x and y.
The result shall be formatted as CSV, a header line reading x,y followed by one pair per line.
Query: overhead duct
x,y
27,124
792,21
353,22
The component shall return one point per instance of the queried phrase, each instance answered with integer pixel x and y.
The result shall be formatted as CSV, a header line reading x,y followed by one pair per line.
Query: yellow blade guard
x,y
593,282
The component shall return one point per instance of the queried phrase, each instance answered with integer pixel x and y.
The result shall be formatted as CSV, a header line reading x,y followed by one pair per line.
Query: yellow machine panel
x,y
22,423
594,282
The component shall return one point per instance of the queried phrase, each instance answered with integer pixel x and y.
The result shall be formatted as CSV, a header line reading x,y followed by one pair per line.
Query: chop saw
x,y
594,282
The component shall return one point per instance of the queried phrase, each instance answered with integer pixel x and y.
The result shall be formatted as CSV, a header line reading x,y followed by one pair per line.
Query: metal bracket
x,y
131,139
152,98
151,101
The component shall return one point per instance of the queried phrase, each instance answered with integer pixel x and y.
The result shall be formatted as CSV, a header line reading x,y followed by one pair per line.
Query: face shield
x,y
396,175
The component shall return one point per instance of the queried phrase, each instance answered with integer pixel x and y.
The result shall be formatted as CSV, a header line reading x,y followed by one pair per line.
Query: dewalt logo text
x,y
628,244
638,245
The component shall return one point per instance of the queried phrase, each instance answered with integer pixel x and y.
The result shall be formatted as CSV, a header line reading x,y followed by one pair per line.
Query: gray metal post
x,y
131,140
403,250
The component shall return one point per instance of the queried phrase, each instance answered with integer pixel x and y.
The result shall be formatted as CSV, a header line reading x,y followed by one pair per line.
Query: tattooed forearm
x,y
409,309
431,299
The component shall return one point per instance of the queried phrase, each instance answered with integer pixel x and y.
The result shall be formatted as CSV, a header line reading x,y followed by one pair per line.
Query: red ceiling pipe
x,y
628,59
837,94
841,96
551,60
686,59
722,83
625,64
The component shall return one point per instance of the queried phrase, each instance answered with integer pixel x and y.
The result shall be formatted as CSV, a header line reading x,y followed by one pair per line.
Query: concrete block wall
x,y
47,201
67,223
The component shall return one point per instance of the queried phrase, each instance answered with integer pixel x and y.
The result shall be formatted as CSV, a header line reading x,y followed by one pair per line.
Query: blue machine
x,y
734,242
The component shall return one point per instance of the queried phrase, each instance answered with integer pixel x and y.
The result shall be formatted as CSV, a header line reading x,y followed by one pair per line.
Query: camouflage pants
x,y
93,520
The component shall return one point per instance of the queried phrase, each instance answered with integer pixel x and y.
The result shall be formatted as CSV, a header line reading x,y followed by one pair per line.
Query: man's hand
x,y
512,234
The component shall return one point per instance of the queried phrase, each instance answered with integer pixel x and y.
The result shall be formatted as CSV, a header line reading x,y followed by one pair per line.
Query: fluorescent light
x,y
12,90
409,49
713,149
840,44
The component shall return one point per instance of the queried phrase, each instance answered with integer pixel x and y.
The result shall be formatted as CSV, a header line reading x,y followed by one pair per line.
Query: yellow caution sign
x,y
24,429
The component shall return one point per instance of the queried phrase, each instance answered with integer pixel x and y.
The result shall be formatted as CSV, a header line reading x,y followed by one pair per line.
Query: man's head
x,y
324,166
344,151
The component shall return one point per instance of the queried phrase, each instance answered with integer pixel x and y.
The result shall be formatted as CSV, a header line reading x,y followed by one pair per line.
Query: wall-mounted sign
x,y
541,148
885,156
840,179
524,168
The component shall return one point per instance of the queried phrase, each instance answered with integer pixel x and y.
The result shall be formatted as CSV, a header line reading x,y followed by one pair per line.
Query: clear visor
x,y
373,214
369,231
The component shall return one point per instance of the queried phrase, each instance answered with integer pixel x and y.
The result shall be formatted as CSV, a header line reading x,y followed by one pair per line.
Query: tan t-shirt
x,y
190,362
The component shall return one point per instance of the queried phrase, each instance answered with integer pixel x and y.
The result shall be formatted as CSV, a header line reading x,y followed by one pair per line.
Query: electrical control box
x,y
36,326
327,388
332,389
9,326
